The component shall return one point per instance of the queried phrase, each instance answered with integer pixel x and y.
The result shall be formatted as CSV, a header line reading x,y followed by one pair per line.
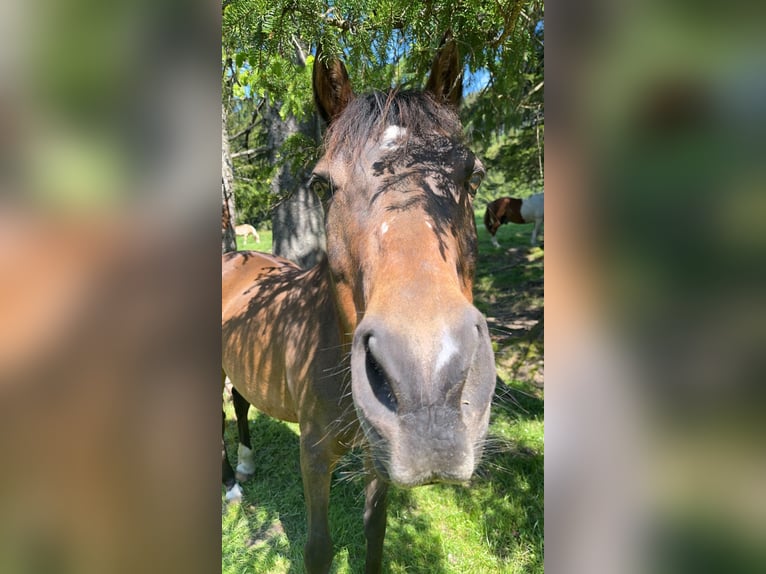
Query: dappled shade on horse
x,y
379,344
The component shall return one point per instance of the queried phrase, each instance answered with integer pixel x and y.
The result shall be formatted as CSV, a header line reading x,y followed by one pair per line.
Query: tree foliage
x,y
268,48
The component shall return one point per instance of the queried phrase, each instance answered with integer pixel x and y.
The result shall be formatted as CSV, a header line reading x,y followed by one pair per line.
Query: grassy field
x,y
493,526
263,245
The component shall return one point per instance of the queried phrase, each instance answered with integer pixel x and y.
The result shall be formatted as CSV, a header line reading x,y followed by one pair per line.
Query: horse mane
x,y
368,115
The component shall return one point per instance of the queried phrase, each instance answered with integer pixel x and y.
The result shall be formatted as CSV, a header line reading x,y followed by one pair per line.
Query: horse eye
x,y
320,186
475,181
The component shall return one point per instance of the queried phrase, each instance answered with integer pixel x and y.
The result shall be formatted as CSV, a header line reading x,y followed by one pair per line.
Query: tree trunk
x,y
228,238
298,221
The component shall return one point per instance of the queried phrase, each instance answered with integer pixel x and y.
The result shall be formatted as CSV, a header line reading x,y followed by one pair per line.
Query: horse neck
x,y
319,293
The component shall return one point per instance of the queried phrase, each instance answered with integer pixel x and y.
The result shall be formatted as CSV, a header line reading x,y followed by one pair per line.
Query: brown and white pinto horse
x,y
513,210
379,344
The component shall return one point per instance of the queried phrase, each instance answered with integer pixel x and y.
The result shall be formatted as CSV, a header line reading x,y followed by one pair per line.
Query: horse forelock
x,y
412,152
367,117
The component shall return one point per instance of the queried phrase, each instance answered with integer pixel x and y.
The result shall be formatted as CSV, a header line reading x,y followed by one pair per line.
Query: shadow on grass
x,y
507,491
516,400
274,513
509,501
412,541
509,280
272,504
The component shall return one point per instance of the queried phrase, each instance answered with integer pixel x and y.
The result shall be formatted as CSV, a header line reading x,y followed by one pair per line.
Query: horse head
x,y
401,241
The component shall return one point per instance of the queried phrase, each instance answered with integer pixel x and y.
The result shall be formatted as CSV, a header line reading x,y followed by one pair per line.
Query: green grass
x,y
493,526
263,245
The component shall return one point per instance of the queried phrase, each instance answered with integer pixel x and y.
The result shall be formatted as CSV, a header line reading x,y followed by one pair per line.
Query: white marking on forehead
x,y
448,350
428,223
390,136
384,228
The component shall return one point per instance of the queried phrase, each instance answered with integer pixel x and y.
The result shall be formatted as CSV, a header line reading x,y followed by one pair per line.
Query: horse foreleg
x,y
375,505
316,467
227,473
495,242
233,492
245,462
534,232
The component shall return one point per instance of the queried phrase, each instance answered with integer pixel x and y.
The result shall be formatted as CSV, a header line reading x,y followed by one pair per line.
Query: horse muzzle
x,y
423,396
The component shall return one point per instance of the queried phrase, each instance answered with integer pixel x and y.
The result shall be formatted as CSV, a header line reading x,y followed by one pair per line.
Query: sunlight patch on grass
x,y
535,254
245,552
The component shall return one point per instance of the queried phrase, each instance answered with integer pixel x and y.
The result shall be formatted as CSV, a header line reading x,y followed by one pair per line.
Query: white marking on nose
x,y
448,350
384,228
390,136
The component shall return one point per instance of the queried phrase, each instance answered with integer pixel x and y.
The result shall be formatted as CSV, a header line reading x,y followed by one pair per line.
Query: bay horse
x,y
379,344
514,210
246,230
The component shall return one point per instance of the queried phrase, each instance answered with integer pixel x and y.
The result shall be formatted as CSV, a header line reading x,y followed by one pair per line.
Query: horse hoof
x,y
234,494
243,476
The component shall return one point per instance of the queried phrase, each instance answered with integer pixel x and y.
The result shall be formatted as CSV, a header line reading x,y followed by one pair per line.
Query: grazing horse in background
x,y
379,344
513,210
246,230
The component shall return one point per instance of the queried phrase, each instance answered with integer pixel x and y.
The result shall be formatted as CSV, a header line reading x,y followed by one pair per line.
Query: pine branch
x,y
299,51
248,152
254,122
509,21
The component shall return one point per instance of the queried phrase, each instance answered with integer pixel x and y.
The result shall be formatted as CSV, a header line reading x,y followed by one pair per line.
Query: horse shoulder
x,y
315,352
254,355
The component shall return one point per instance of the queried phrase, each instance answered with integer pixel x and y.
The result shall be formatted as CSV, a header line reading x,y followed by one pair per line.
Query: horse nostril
x,y
379,380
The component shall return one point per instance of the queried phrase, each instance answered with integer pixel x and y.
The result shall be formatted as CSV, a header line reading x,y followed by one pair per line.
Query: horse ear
x,y
446,79
332,88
